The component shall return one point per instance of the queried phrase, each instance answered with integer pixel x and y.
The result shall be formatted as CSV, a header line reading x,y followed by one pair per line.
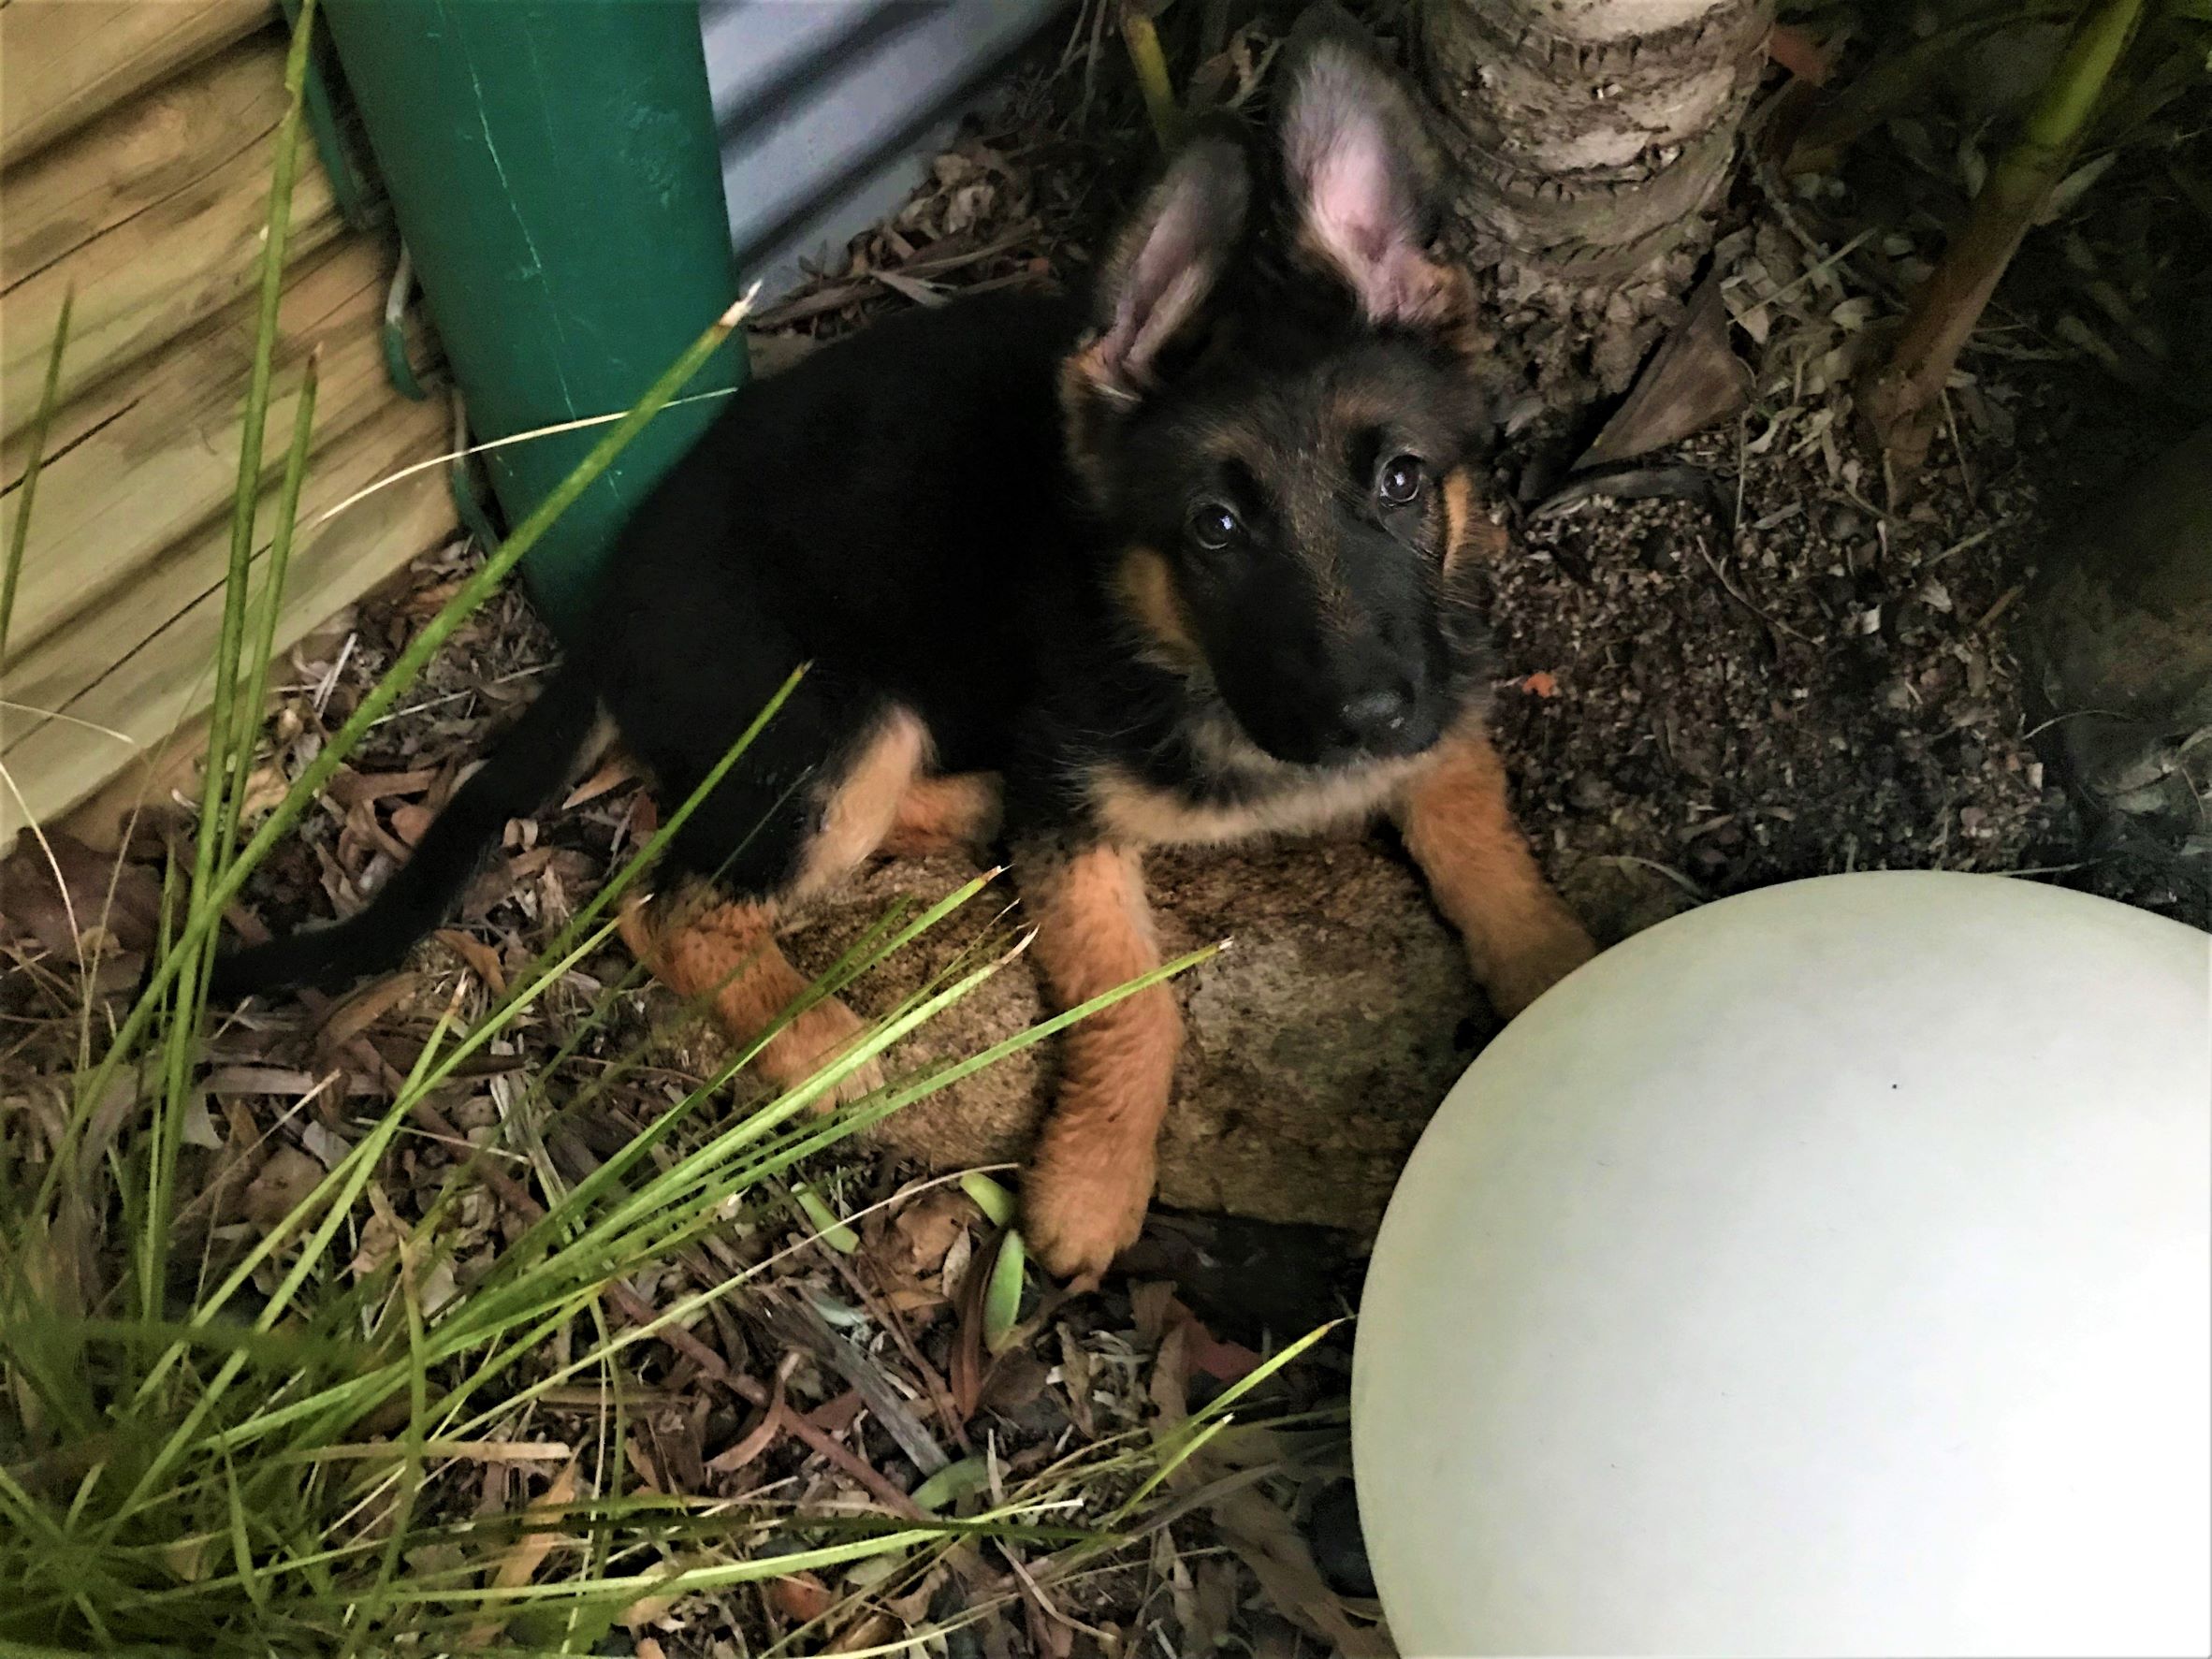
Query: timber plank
x,y
64,63
155,217
158,460
108,689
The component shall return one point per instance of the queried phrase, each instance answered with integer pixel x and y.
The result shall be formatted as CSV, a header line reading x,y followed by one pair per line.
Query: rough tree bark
x,y
1592,138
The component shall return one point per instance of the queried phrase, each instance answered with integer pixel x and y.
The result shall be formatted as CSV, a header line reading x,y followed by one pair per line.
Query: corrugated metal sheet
x,y
830,110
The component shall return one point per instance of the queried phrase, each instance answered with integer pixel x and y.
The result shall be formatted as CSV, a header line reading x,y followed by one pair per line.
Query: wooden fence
x,y
136,138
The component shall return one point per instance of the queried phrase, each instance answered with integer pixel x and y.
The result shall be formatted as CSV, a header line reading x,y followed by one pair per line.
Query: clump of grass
x,y
264,1456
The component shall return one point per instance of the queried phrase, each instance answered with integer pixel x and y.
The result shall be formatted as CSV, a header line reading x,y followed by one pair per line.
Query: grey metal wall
x,y
830,110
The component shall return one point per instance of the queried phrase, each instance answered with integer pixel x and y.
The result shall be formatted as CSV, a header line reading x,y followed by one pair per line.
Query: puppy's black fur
x,y
940,515
1189,565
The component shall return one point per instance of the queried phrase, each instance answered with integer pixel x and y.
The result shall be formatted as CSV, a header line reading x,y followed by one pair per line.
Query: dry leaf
x,y
353,788
1796,52
363,1008
1265,1539
520,1564
645,1609
283,1081
866,1637
611,776
1152,1304
483,961
266,788
57,893
323,1143
286,1180
954,1274
411,822
800,1597
379,1239
1170,1385
923,1233
523,866
364,829
1693,380
199,1125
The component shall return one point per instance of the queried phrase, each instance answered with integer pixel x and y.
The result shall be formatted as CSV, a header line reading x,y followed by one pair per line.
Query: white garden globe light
x,y
1826,1271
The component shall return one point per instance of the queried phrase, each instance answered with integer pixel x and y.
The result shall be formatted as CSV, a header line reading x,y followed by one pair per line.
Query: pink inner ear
x,y
1355,214
1158,294
1352,202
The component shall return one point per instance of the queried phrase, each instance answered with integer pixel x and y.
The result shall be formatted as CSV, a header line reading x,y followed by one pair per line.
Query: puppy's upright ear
x,y
1363,180
1165,263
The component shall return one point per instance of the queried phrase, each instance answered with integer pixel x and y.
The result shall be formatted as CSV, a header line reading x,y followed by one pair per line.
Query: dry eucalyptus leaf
x,y
284,1184
1693,380
380,1241
58,892
483,961
925,1230
364,1008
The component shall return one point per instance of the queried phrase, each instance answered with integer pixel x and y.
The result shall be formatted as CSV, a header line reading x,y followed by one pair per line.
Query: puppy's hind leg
x,y
705,942
706,946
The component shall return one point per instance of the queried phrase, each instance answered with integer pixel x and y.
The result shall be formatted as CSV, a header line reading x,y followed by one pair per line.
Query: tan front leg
x,y
1459,827
1090,1180
700,946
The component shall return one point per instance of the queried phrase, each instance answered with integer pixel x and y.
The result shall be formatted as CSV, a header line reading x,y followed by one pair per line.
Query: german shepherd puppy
x,y
1192,567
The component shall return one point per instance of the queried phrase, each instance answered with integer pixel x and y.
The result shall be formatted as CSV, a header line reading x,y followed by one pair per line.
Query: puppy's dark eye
x,y
1215,527
1400,479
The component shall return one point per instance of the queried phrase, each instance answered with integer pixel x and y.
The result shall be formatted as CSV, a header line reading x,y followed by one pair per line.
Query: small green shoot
x,y
1002,1296
827,1228
951,1483
994,1200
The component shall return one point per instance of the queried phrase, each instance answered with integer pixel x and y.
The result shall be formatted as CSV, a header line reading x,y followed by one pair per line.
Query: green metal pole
x,y
553,167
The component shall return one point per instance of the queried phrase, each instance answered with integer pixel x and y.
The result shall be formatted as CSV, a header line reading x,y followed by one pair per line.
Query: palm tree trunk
x,y
1592,138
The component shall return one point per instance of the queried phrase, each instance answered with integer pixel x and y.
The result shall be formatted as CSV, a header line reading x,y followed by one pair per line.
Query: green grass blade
x,y
1002,1296
222,762
994,1200
19,536
487,579
272,603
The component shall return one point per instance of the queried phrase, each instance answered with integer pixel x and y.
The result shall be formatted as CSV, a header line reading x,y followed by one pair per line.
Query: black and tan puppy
x,y
1191,567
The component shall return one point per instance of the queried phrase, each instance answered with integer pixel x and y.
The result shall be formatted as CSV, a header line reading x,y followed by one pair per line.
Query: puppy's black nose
x,y
1377,719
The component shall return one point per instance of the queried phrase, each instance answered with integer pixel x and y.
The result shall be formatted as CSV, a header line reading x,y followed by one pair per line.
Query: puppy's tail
x,y
529,765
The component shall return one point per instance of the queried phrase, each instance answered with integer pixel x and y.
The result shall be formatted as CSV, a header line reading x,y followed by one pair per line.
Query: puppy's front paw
x,y
1080,1209
1537,958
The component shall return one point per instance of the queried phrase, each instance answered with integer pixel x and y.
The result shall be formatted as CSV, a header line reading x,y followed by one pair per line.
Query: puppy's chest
x,y
1138,812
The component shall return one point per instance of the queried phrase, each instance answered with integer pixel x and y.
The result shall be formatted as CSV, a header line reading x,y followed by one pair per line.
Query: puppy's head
x,y
1275,428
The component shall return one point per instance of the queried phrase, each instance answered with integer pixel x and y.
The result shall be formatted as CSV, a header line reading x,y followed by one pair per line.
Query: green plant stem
x,y
1901,75
1150,63
247,718
253,426
190,962
1902,399
153,1233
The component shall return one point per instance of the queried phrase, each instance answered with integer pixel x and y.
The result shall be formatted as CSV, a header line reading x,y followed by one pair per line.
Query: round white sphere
x,y
1826,1271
